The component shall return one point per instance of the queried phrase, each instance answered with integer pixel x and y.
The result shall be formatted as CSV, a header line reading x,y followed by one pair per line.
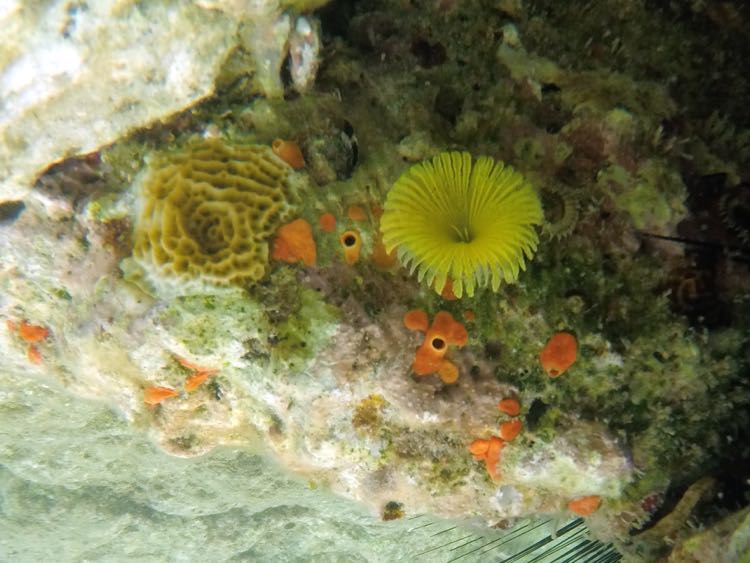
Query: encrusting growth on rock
x,y
488,451
327,222
559,354
509,407
351,244
152,396
430,356
289,152
584,506
294,242
207,212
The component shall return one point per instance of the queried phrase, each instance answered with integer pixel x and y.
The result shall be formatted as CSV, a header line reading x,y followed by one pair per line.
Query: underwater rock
x,y
55,56
312,364
53,62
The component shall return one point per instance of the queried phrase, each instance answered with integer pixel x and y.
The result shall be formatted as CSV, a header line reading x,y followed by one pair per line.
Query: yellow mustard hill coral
x,y
208,211
463,221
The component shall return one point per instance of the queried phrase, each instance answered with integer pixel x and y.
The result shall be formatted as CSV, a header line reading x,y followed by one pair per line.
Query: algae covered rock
x,y
208,211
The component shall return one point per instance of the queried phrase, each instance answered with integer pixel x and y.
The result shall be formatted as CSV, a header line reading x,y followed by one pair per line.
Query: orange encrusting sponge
x,y
32,333
327,222
356,213
445,330
198,377
488,451
509,407
294,242
510,429
448,372
585,506
430,356
289,152
559,354
152,396
192,382
417,320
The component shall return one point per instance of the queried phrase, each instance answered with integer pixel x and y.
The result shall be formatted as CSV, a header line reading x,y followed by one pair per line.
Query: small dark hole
x,y
10,210
350,240
438,343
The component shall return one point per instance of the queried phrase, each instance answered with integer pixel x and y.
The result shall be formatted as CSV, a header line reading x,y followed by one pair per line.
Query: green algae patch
x,y
205,324
307,330
440,460
654,198
285,322
299,321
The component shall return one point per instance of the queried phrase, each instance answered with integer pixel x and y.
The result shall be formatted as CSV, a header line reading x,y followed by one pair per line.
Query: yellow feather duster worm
x,y
468,222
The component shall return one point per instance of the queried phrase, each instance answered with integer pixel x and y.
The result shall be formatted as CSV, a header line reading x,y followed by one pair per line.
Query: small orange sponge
x,y
509,407
488,451
327,222
584,506
289,152
559,354
351,244
510,429
152,396
294,242
356,213
445,330
417,320
448,372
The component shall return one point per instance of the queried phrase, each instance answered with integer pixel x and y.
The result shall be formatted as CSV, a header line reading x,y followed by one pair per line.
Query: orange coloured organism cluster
x,y
154,395
294,242
509,407
200,373
417,320
350,239
430,357
32,335
488,450
559,354
510,429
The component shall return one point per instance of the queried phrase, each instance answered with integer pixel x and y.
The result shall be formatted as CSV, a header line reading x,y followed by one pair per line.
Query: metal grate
x,y
533,541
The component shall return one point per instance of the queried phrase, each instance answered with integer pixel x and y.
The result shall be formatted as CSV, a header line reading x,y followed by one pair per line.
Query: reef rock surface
x,y
77,76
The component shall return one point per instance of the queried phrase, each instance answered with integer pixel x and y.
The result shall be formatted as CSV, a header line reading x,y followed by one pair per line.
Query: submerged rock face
x,y
91,73
314,362
325,387
77,76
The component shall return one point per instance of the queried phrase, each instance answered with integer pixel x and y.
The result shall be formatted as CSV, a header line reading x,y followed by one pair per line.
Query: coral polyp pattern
x,y
208,211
